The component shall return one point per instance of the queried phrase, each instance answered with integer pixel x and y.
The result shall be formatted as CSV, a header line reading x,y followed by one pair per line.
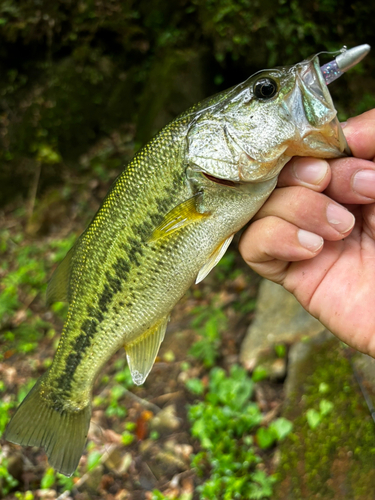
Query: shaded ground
x,y
139,440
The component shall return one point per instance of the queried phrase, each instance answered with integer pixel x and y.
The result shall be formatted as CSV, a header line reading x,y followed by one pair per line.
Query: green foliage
x,y
259,373
80,62
7,481
48,480
210,323
93,459
265,438
281,427
22,283
224,423
314,417
28,495
345,426
115,408
154,435
195,385
66,483
277,431
5,406
280,350
127,438
226,269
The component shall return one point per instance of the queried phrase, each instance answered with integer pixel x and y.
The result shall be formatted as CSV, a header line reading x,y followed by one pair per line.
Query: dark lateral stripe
x,y
133,251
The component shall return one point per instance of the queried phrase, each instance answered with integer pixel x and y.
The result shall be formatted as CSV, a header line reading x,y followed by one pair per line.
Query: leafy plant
x,y
7,481
224,424
48,480
210,323
28,495
314,417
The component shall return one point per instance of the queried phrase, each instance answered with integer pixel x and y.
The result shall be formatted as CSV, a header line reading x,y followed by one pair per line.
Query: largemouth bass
x,y
165,223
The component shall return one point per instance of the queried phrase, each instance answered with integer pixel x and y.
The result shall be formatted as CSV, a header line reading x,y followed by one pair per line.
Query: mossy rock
x,y
335,459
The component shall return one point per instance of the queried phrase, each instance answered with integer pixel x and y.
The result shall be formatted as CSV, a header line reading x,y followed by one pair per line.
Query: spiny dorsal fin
x,y
141,354
181,216
58,286
214,259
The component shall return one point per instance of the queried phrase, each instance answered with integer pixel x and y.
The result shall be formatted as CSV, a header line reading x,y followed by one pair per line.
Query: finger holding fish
x,y
300,231
167,221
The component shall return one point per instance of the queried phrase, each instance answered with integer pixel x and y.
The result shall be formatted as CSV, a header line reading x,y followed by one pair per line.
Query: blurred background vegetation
x,y
83,85
85,82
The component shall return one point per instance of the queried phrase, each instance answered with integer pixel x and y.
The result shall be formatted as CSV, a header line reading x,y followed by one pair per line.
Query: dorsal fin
x,y
58,286
141,354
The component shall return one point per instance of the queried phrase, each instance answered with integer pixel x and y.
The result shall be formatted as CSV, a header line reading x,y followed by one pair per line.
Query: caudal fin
x,y
61,433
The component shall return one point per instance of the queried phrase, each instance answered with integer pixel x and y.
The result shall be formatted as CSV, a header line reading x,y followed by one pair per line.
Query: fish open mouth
x,y
223,182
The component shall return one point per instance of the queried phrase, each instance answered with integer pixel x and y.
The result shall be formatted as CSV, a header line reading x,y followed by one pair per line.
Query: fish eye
x,y
265,88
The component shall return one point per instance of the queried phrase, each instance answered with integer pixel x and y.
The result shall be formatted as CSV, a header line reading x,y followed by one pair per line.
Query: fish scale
x,y
165,223
127,236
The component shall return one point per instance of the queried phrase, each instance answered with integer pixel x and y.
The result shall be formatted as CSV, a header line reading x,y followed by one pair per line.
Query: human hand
x,y
306,241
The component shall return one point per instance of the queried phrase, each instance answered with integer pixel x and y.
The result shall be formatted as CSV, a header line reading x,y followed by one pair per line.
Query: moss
x,y
334,460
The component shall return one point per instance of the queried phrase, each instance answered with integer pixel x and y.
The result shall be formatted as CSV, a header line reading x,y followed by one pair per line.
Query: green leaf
x,y
323,388
325,407
48,480
195,385
313,418
127,438
280,350
260,486
281,428
93,459
265,438
259,373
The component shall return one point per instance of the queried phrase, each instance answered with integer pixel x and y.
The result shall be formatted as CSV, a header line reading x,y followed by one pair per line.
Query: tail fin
x,y
62,433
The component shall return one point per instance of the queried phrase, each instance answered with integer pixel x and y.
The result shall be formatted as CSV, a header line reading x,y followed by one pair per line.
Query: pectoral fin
x,y
214,259
58,286
179,217
142,352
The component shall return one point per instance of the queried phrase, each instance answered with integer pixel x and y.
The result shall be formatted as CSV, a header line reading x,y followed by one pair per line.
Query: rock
x,y
365,366
16,465
118,462
331,456
279,318
166,420
299,360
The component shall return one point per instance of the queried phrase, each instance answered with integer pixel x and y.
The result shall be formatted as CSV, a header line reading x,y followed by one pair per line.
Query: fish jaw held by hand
x,y
165,223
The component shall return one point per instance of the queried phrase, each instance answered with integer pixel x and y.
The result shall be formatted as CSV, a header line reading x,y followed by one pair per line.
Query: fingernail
x,y
343,124
364,183
308,240
340,218
310,171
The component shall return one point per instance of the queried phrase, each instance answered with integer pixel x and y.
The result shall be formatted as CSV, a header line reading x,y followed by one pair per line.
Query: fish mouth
x,y
311,105
217,180
327,141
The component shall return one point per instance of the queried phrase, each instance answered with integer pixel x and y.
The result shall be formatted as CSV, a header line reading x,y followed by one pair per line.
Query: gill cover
x,y
248,137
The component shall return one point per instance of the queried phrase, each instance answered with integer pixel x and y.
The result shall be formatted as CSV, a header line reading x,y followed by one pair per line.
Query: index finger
x,y
360,134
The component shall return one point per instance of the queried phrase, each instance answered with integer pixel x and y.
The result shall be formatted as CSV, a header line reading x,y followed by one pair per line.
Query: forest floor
x,y
142,440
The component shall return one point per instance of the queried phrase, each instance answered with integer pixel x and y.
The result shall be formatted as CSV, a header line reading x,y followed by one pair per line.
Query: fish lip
x,y
311,103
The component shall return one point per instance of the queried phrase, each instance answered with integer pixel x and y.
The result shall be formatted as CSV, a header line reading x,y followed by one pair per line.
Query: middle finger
x,y
309,210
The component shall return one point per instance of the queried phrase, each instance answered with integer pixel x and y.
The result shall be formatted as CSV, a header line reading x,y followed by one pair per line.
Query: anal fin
x,y
214,259
142,352
181,216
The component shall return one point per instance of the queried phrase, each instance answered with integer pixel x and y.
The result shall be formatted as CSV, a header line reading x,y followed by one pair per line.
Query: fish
x,y
164,224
